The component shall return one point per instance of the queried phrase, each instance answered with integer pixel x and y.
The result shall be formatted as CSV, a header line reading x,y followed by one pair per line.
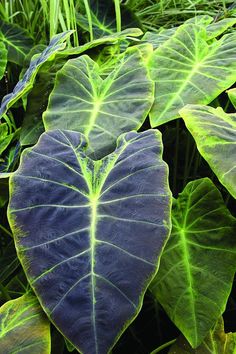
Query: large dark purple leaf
x,y
90,233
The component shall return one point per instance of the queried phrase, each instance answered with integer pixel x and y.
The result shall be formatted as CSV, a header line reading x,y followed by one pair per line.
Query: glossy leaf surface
x,y
214,132
24,85
217,342
24,328
99,108
187,69
199,261
3,59
17,41
100,226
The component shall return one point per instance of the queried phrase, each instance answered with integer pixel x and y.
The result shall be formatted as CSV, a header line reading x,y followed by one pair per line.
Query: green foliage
x,y
217,342
89,219
24,327
101,109
215,134
182,66
198,263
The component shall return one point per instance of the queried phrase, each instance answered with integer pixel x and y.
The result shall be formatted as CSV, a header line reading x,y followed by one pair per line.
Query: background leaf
x,y
186,69
23,327
232,96
3,59
100,108
100,226
104,18
24,85
214,132
17,41
217,342
199,261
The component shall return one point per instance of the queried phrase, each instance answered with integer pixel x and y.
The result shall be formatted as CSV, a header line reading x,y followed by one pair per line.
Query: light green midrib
x,y
212,50
93,281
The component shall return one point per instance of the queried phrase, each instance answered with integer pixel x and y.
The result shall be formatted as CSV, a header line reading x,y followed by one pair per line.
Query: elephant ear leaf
x,y
232,96
3,59
26,83
214,132
100,225
217,342
99,108
24,328
181,66
198,264
17,41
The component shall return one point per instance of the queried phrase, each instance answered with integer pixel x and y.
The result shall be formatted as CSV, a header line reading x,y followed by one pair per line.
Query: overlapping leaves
x,y
187,69
24,327
198,264
99,108
214,132
24,85
216,342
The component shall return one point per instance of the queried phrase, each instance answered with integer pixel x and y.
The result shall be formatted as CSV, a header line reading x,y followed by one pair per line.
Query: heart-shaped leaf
x,y
24,328
214,132
24,85
17,41
3,59
199,261
101,109
188,70
90,233
217,342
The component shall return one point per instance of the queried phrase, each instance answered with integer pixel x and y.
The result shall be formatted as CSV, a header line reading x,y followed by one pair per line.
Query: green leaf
x,y
214,132
106,40
199,261
103,18
3,59
217,342
5,137
37,100
23,86
99,108
217,28
232,96
101,227
24,329
186,69
157,39
17,41
213,30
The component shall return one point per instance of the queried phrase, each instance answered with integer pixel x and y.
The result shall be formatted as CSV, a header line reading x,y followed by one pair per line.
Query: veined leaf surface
x,y
101,109
3,59
17,41
24,85
187,70
217,342
106,40
100,225
214,132
103,18
232,96
24,328
199,261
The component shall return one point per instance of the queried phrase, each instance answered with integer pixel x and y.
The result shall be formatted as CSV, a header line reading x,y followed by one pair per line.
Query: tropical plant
x,y
117,176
